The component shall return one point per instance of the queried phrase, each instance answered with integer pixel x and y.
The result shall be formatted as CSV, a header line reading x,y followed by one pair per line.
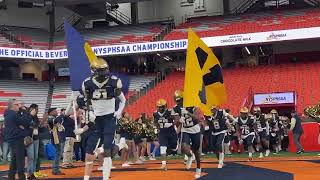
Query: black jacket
x,y
12,122
68,124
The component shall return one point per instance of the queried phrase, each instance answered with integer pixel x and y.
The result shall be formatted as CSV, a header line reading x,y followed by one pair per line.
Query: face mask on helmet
x,y
257,113
179,102
244,115
101,72
161,109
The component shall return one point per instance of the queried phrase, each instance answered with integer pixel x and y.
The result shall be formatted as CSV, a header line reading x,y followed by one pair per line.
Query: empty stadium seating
x,y
27,91
4,42
247,23
38,38
303,78
62,90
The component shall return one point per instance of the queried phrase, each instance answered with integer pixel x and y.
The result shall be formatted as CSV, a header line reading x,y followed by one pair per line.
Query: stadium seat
x,y
303,78
249,23
27,91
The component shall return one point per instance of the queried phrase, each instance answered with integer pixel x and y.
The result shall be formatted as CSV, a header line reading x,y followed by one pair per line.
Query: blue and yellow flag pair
x,y
203,84
80,57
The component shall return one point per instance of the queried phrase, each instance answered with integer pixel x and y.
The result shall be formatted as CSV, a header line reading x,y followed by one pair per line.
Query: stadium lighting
x,y
246,48
167,58
261,51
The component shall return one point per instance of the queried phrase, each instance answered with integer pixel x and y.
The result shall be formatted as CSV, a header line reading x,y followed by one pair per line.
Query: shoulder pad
x,y
87,79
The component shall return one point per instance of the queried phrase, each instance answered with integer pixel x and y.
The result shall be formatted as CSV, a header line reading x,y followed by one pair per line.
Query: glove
x,y
181,120
184,111
78,131
240,141
117,115
167,125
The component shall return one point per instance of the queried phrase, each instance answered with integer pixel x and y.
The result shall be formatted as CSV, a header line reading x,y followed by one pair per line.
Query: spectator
x,y
16,123
296,128
44,139
69,126
33,149
6,154
1,139
57,128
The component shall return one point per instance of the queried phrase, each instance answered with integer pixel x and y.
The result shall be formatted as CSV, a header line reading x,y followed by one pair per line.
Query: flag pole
x,y
75,115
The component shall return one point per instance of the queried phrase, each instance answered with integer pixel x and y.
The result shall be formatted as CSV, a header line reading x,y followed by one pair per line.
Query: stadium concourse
x,y
269,55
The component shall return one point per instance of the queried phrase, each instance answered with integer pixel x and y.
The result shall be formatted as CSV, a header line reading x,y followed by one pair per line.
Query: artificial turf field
x,y
285,166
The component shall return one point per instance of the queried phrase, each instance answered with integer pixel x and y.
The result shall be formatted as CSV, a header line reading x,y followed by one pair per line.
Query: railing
x,y
71,19
117,14
243,6
120,16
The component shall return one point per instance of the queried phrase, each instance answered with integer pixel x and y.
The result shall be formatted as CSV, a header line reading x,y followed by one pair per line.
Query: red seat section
x,y
37,38
259,22
10,94
59,96
303,78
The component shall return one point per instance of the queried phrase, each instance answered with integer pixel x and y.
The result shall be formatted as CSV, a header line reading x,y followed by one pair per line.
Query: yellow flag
x,y
203,84
90,54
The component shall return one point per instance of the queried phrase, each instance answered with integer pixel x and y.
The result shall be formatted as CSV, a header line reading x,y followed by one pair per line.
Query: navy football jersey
x,y
162,119
102,95
188,120
246,126
177,110
261,122
217,123
274,125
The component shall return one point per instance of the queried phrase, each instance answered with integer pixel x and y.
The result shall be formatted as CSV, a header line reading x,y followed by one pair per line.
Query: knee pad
x,y
163,150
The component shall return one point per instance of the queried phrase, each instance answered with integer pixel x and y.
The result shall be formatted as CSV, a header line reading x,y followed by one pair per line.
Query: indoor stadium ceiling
x,y
74,2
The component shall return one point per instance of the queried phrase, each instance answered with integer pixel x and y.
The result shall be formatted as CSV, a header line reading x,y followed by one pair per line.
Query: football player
x,y
219,125
100,90
90,137
167,133
274,131
189,118
246,129
262,127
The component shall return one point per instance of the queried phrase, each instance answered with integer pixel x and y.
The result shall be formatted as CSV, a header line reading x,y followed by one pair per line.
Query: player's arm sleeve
x,y
122,102
85,92
292,123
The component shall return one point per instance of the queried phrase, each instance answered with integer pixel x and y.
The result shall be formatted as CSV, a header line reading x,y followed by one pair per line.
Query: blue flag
x,y
80,55
79,65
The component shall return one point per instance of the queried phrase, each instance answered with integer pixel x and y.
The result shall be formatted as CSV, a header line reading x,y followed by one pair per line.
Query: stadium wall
x,y
159,9
35,67
24,17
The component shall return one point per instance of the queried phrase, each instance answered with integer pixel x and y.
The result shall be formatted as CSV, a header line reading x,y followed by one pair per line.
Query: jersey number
x,y
259,125
162,121
216,125
100,94
245,130
188,121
